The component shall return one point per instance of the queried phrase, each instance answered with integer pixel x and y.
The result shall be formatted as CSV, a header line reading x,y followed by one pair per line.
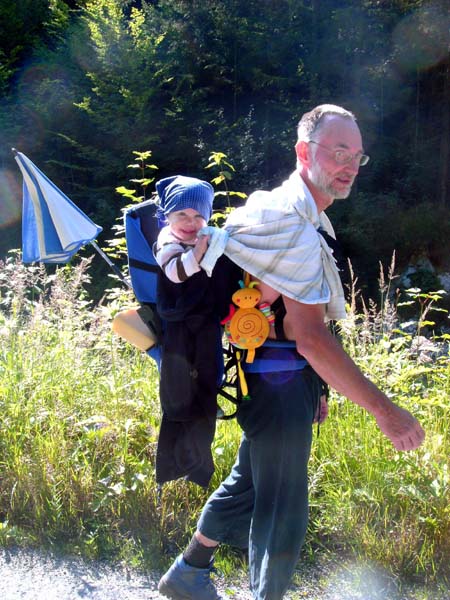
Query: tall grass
x,y
79,416
366,497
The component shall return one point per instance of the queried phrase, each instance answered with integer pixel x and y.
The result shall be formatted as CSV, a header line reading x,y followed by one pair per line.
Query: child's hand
x,y
200,247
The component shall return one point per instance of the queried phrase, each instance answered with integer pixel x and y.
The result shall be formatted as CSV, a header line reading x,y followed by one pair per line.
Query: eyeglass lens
x,y
343,157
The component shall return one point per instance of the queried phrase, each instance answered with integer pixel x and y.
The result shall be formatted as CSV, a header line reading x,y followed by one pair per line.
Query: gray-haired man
x,y
277,237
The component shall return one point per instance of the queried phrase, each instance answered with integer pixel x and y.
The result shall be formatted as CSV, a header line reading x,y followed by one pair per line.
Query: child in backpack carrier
x,y
191,349
186,205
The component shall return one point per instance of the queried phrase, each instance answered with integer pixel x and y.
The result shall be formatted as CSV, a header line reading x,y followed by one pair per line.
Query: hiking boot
x,y
183,582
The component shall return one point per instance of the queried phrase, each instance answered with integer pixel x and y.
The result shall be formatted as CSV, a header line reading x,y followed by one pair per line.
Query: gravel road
x,y
37,575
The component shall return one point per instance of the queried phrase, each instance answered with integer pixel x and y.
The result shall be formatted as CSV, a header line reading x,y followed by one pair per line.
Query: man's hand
x,y
399,425
322,411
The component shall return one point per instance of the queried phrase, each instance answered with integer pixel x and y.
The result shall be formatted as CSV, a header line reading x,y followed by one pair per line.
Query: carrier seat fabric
x,y
141,231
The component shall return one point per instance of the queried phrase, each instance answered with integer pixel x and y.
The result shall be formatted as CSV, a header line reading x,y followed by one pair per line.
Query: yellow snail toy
x,y
248,327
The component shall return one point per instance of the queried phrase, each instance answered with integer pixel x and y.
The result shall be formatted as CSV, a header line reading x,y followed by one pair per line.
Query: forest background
x,y
84,83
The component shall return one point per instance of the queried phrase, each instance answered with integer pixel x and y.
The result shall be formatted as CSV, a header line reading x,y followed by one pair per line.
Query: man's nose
x,y
354,165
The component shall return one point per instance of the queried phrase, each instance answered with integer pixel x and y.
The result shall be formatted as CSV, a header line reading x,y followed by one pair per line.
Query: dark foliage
x,y
84,83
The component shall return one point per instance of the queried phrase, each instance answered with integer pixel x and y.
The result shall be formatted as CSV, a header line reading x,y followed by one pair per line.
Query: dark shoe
x,y
183,582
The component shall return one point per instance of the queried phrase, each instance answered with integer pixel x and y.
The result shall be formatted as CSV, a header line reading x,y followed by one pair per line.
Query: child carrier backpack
x,y
143,327
141,231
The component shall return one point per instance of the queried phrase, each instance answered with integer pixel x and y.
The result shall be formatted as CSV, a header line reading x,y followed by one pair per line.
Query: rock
x,y
444,279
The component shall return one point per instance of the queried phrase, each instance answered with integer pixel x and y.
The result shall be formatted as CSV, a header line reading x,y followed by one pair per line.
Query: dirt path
x,y
36,575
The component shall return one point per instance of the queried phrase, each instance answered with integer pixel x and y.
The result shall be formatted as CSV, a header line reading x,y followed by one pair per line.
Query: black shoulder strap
x,y
338,253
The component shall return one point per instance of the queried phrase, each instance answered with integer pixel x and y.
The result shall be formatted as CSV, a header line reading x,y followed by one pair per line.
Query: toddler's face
x,y
186,223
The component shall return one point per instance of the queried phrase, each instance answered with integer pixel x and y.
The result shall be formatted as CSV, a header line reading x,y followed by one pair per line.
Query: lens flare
x,y
360,580
422,38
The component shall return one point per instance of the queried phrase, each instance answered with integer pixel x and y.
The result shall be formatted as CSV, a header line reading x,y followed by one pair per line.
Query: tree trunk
x,y
445,139
416,118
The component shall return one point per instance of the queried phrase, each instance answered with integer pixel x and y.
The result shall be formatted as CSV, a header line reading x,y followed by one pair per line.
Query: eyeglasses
x,y
343,157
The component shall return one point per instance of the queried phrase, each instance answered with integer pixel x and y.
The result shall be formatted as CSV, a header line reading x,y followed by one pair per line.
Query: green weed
x,y
79,414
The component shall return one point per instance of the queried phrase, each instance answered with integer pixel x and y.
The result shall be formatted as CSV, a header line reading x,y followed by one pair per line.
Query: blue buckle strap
x,y
276,356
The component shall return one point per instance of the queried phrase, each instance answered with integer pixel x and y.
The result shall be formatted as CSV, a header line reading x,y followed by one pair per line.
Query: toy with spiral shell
x,y
247,327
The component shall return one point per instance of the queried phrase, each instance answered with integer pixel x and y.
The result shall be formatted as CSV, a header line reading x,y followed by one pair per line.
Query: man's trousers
x,y
263,503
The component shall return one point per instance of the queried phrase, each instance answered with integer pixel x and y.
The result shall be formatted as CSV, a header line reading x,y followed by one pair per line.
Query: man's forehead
x,y
340,131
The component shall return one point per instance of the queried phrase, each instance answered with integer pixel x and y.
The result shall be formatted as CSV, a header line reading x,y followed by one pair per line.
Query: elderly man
x,y
283,238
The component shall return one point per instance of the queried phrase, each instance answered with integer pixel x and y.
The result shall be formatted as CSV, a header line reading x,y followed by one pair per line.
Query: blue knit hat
x,y
180,192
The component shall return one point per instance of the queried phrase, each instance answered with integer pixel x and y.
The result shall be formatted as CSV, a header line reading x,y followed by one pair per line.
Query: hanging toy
x,y
247,327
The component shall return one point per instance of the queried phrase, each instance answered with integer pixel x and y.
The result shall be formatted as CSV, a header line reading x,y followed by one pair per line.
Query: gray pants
x,y
263,503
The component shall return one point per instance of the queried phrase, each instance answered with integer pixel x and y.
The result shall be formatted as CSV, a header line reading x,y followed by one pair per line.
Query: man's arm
x,y
304,323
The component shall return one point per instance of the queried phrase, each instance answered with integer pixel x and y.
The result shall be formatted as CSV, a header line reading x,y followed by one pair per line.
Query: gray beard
x,y
320,180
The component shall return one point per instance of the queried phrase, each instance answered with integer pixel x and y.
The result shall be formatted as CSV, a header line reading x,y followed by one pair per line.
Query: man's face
x,y
327,175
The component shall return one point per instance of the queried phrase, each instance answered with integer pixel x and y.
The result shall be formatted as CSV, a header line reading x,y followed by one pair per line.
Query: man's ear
x,y
303,153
